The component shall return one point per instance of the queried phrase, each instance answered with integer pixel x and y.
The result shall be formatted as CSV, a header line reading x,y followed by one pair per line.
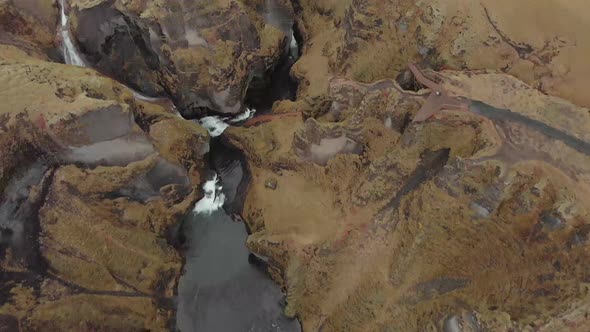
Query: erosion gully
x,y
224,287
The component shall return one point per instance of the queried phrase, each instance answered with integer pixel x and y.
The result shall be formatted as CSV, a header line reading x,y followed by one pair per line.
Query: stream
x,y
223,287
498,114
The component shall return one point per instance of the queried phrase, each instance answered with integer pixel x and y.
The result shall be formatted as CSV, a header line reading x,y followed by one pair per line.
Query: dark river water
x,y
224,287
220,290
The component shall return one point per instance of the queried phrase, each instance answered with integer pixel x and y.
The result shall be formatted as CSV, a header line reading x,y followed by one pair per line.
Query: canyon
x,y
274,165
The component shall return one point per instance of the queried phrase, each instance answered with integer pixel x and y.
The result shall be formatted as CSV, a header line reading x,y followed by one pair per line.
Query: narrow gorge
x,y
294,165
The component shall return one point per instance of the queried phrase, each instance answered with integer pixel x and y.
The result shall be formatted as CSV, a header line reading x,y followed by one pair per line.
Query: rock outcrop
x,y
203,54
92,181
29,25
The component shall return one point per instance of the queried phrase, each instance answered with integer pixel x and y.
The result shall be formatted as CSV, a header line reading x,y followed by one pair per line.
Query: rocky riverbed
x,y
140,190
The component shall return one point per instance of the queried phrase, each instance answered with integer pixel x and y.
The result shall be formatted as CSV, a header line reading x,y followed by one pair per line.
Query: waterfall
x,y
293,47
73,57
70,53
220,273
213,199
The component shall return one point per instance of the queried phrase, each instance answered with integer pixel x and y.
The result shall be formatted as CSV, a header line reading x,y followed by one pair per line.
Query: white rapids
x,y
293,47
216,125
213,199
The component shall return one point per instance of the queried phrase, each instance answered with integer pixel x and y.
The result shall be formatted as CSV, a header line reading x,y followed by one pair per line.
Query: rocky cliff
x,y
203,54
92,180
451,196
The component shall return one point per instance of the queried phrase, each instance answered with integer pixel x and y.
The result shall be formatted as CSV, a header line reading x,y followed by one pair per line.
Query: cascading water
x,y
293,47
224,287
216,125
212,200
73,57
221,288
70,53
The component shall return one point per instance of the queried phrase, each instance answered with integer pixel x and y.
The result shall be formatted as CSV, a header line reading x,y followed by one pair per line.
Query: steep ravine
x,y
373,203
223,287
221,278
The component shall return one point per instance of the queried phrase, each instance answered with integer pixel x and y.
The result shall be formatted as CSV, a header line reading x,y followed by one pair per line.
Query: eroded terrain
x,y
371,218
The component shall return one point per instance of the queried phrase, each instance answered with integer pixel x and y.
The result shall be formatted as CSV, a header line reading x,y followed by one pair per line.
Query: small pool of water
x,y
220,290
224,287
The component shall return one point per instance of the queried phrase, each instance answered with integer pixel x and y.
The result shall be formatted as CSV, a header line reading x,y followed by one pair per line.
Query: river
x,y
223,286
